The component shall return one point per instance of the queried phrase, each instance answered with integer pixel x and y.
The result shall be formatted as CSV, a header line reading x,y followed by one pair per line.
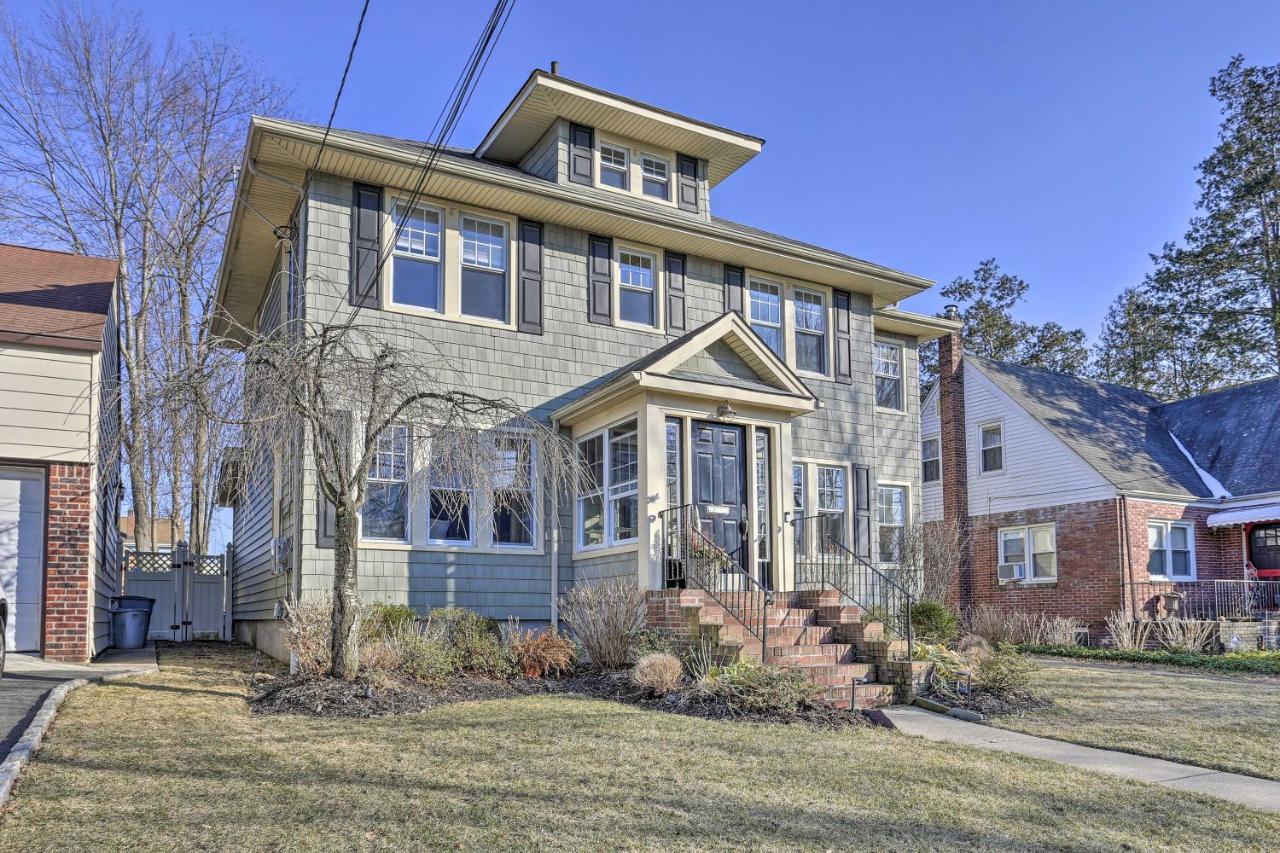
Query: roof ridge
x,y
1100,383
1236,387
64,252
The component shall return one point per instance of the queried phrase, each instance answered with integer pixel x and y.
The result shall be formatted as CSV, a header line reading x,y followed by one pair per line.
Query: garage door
x,y
22,553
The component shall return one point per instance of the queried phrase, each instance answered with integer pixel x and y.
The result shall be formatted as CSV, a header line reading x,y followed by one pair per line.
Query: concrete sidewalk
x,y
1245,790
28,679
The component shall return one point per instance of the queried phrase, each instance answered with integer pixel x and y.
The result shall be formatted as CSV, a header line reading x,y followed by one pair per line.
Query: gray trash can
x,y
131,621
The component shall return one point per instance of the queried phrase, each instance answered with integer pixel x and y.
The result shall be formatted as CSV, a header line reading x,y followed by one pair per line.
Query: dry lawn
x,y
174,760
1223,722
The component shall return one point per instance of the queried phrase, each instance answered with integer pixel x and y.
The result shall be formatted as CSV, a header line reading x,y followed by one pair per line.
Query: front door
x,y
719,490
22,555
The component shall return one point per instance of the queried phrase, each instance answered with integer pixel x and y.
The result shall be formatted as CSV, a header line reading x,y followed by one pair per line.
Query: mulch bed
x,y
326,697
993,705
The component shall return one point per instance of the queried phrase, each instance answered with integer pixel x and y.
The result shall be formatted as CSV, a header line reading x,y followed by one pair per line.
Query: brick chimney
x,y
955,468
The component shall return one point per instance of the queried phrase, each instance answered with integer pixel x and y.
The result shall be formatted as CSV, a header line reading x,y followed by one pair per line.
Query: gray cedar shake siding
x,y
542,373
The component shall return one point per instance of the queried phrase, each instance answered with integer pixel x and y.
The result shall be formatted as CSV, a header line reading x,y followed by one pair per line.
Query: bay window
x,y
891,510
416,277
484,268
811,331
384,514
764,310
1170,550
609,501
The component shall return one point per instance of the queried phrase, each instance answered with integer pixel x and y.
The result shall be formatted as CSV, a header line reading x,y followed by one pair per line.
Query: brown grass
x,y
1217,721
175,761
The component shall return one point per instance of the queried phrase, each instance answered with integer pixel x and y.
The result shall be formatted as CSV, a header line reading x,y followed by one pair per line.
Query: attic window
x,y
613,166
656,175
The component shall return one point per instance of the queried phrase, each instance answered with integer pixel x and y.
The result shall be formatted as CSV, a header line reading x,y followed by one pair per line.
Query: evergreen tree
x,y
1142,346
987,300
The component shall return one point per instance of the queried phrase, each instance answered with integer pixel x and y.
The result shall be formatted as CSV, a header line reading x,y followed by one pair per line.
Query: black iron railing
x,y
824,562
1204,600
692,560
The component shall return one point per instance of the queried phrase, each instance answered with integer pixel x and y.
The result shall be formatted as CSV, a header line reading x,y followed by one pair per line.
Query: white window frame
x,y
781,325
535,503
825,301
1004,463
602,144
905,488
1166,527
924,460
505,269
408,496
1027,533
394,204
843,511
645,160
605,490
658,292
901,378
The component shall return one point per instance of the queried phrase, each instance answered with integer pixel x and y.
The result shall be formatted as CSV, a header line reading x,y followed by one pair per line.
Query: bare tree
x,y
114,144
364,404
931,556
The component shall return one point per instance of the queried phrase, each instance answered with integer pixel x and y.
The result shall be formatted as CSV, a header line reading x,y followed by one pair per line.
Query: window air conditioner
x,y
1012,571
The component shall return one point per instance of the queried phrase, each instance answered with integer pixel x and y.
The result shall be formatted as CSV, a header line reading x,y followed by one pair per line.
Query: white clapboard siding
x,y
45,404
1039,470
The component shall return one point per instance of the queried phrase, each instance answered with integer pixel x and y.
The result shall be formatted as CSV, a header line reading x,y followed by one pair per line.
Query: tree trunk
x,y
344,646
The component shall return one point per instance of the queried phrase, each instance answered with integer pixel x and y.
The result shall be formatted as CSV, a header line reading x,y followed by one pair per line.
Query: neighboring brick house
x,y
1082,498
59,470
571,263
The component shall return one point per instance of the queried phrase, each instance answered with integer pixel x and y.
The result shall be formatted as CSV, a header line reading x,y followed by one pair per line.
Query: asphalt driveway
x,y
28,679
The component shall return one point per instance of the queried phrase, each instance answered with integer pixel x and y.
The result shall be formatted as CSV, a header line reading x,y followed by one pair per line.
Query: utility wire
x,y
342,84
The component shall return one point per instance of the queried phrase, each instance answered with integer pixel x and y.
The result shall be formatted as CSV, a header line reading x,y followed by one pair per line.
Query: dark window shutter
x,y
844,338
687,182
581,142
366,221
862,511
733,277
600,280
326,523
675,292
530,311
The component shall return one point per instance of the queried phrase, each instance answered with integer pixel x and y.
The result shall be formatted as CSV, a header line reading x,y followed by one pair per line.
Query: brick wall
x,y
1219,554
67,604
1088,585
955,469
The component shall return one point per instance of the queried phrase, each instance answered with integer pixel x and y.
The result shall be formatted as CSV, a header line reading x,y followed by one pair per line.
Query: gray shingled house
x,y
571,262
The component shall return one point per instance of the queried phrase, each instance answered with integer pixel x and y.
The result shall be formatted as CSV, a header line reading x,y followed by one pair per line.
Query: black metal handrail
x,y
823,561
1204,599
692,560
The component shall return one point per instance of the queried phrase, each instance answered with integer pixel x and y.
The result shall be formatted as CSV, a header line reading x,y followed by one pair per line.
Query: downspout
x,y
1126,569
554,523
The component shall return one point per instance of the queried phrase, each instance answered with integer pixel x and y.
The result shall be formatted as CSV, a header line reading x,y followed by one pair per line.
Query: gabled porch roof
x,y
775,386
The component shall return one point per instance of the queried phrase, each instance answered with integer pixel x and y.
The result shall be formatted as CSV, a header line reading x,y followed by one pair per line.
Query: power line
x,y
342,84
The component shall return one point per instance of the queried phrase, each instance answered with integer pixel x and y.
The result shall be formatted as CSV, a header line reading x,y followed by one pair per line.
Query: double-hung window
x,y
416,277
832,501
613,166
891,510
637,291
609,501
484,268
383,515
513,492
1034,547
1170,550
888,370
450,499
765,313
811,331
931,457
992,448
655,177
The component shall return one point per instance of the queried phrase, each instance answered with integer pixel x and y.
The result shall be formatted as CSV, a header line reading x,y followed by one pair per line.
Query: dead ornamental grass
x,y
1213,721
175,760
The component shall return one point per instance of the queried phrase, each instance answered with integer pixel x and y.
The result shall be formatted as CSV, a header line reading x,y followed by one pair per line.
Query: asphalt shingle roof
x,y
50,297
1233,434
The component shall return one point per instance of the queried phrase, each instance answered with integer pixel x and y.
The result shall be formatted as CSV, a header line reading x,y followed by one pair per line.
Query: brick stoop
x,y
810,632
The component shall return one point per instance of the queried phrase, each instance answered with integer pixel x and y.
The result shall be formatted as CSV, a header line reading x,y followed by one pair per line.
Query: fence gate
x,y
192,592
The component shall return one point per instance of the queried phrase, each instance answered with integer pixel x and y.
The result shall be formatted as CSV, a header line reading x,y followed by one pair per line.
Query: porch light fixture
x,y
725,412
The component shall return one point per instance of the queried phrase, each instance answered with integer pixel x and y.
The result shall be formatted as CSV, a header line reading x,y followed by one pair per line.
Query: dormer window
x,y
655,177
613,166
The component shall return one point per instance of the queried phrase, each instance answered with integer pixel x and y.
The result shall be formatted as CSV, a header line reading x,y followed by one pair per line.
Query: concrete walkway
x,y
28,679
1245,790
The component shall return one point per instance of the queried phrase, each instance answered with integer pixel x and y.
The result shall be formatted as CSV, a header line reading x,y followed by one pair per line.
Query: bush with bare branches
x,y
658,673
1127,633
605,616
1059,630
539,654
306,627
1187,635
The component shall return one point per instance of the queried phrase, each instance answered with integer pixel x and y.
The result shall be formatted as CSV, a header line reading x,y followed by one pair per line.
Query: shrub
x,y
1060,630
475,641
973,646
658,673
382,620
1185,635
647,641
605,616
426,660
1257,662
380,655
307,630
950,670
543,653
1003,673
1127,633
997,625
760,689
933,622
